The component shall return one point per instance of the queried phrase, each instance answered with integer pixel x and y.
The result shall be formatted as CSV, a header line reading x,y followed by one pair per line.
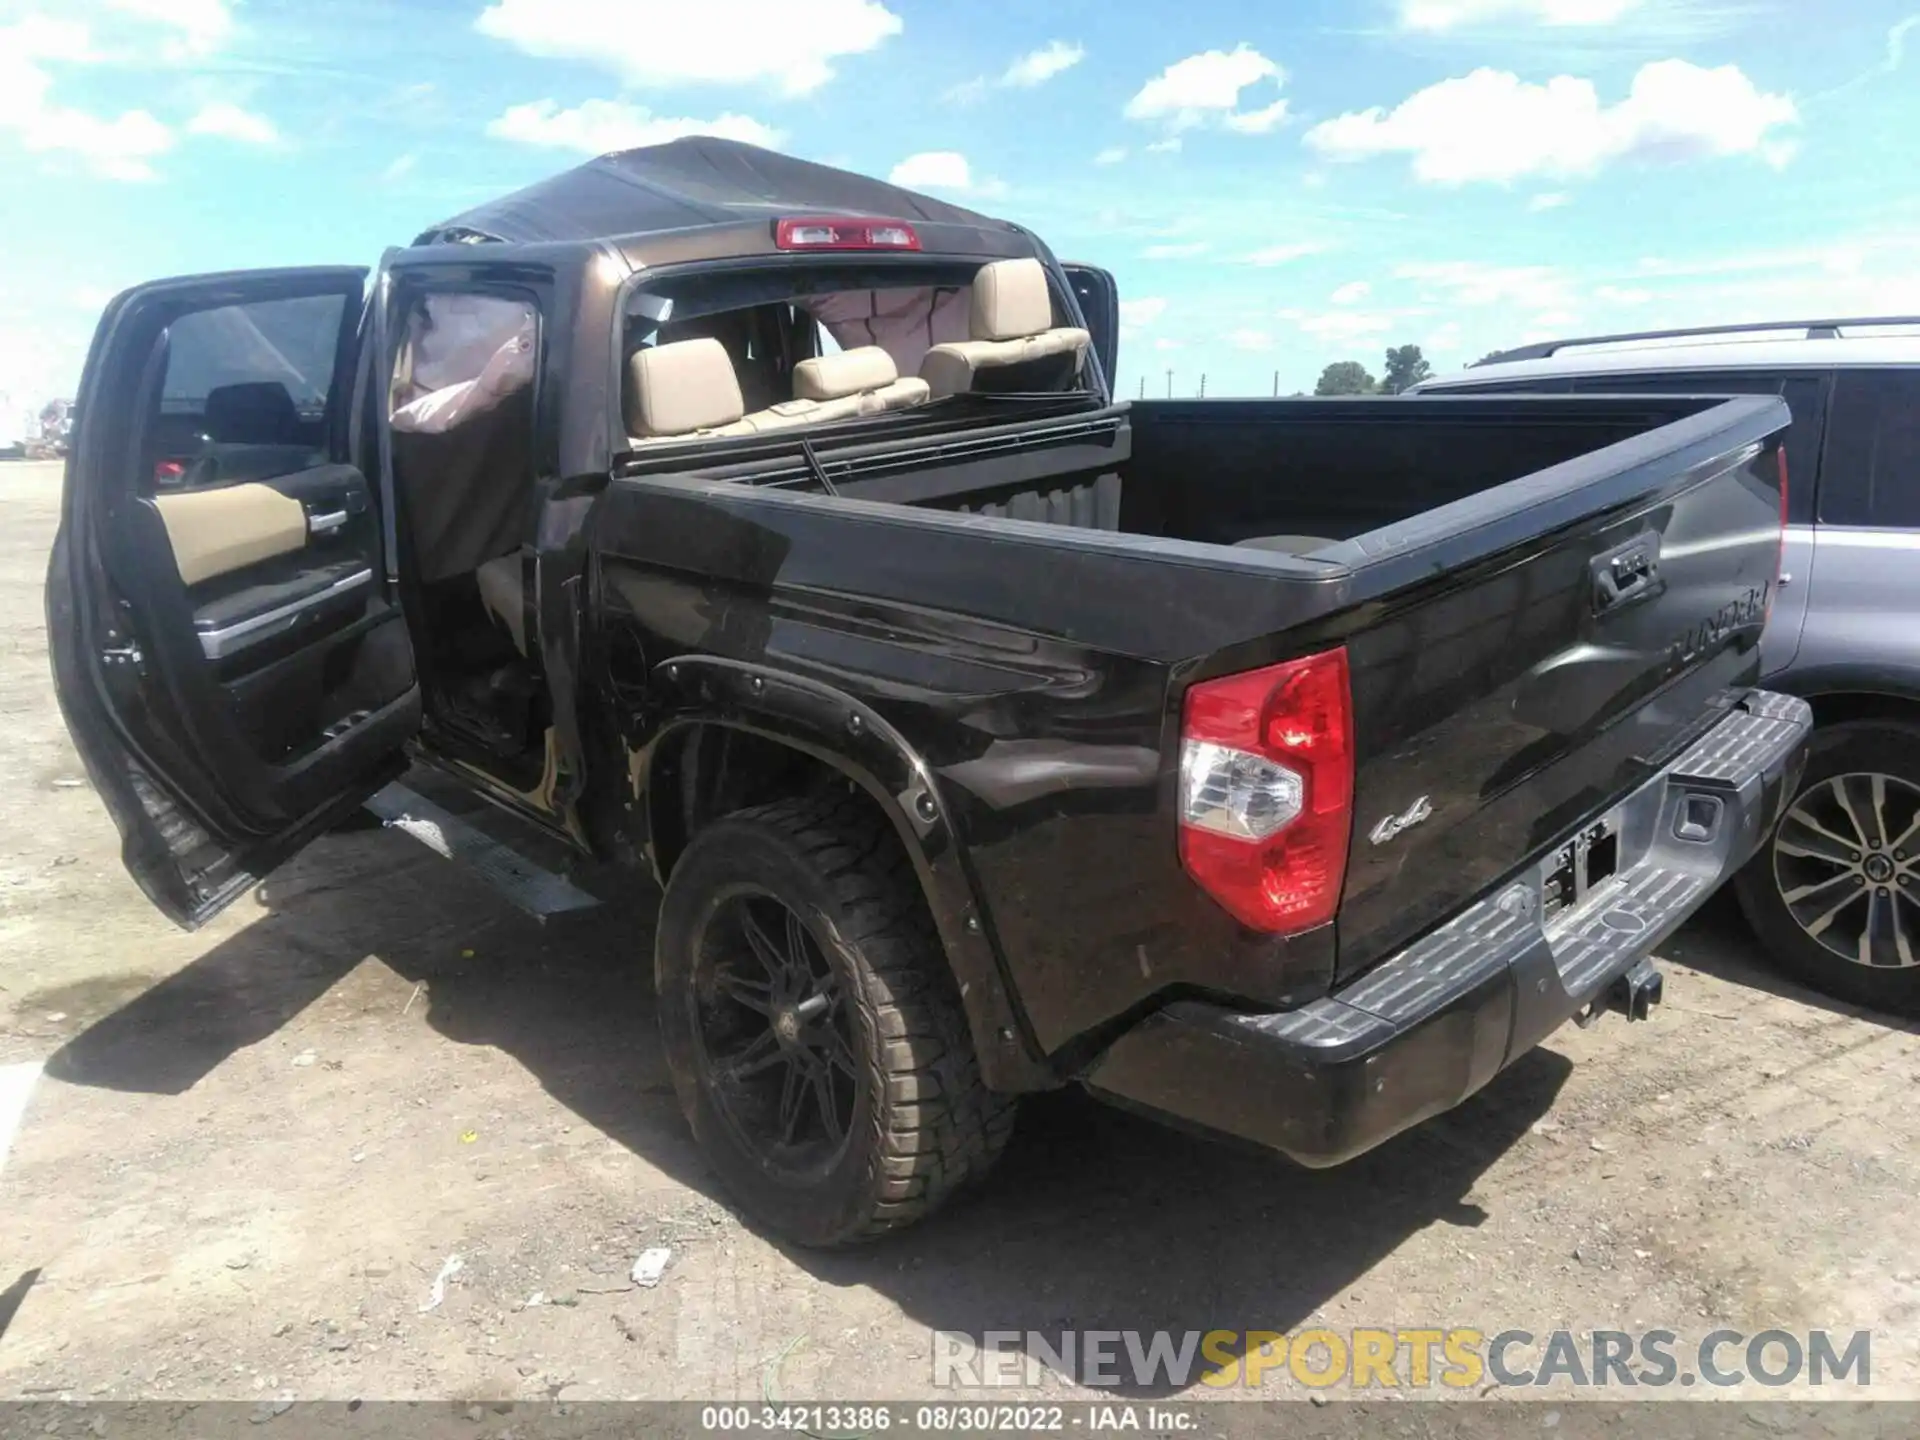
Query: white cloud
x,y
1163,343
1285,254
1550,200
1250,340
401,167
1897,44
1179,250
1259,122
43,37
791,44
1622,295
1453,283
1112,155
1169,146
1143,311
1036,67
597,126
1039,66
200,25
1452,14
1205,88
1341,327
1491,125
230,122
118,148
942,170
1351,293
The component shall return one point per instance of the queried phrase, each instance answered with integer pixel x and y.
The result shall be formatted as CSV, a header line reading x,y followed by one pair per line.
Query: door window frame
x,y
1866,520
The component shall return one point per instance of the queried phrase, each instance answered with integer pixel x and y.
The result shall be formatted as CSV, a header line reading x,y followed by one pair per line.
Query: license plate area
x,y
1580,869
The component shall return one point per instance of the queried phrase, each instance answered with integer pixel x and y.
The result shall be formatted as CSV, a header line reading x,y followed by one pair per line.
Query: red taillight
x,y
831,232
1266,790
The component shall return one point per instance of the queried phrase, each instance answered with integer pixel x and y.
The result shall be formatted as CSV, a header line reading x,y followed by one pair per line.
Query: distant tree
x,y
1345,377
1490,355
1406,368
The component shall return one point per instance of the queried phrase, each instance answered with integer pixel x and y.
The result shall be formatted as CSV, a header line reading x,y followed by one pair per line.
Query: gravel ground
x,y
255,1148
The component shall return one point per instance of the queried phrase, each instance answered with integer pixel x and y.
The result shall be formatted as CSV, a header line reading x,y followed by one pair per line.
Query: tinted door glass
x,y
1801,392
1872,465
246,391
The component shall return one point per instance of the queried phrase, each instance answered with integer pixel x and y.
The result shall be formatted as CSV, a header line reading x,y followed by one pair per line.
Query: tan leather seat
x,y
1015,345
839,387
683,390
688,391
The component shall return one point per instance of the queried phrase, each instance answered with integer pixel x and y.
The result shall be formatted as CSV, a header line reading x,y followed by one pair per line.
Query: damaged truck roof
x,y
697,183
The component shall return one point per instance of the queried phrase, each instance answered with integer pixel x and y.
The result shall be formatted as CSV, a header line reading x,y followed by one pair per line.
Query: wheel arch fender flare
x,y
692,693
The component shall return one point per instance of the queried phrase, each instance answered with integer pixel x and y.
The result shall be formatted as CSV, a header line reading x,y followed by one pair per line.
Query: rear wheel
x,y
816,1039
1835,893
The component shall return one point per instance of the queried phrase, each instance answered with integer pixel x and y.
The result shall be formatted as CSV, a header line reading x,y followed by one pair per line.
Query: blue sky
x,y
1276,185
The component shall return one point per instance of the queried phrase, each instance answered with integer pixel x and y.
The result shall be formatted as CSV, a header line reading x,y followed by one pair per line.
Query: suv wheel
x,y
816,1039
1835,893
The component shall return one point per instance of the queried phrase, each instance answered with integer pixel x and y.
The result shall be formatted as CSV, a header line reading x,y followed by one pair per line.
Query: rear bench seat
x,y
1015,345
864,378
688,390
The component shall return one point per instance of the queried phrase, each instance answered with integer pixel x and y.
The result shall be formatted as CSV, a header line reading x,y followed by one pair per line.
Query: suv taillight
x,y
1266,790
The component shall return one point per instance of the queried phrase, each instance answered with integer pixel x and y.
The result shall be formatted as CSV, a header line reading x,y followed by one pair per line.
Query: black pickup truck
x,y
1286,768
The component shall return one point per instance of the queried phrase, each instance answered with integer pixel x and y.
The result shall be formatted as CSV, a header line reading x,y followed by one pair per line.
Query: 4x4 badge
x,y
1405,820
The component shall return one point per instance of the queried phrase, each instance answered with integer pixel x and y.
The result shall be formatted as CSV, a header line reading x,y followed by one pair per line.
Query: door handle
x,y
1630,573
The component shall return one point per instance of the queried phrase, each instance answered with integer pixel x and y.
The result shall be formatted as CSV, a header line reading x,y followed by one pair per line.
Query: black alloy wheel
x,y
774,1033
816,1036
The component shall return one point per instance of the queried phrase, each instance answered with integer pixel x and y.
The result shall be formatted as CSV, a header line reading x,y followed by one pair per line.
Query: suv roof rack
x,y
1815,330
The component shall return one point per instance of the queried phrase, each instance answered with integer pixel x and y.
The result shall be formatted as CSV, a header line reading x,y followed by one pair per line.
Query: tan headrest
x,y
828,377
1010,300
679,388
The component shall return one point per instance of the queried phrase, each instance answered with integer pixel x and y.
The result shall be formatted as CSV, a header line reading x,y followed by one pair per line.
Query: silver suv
x,y
1836,896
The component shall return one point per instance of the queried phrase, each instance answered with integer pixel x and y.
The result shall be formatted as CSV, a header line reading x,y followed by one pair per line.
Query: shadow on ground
x,y
1096,1220
1719,942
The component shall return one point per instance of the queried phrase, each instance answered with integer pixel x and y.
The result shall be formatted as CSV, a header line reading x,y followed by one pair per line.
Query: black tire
x,y
1840,760
921,1125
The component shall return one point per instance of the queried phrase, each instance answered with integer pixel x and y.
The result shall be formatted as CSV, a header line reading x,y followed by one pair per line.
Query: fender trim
x,y
839,731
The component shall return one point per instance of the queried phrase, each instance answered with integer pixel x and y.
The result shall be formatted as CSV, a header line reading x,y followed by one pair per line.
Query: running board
x,y
540,893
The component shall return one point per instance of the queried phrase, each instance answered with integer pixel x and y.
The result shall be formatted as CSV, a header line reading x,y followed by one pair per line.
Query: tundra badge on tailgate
x,y
1405,820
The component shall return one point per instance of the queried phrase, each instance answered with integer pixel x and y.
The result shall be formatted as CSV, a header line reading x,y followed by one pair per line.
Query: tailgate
x,y
1501,701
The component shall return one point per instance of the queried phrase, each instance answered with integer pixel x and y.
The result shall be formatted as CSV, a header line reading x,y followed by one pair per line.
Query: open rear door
x,y
230,662
1099,297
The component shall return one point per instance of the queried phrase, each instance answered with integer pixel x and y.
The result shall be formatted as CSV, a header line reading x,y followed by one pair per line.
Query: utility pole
x,y
1143,387
1169,384
1276,384
1203,384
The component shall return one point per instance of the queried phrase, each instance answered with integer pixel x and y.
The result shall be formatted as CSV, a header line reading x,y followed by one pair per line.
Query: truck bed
x,y
1037,669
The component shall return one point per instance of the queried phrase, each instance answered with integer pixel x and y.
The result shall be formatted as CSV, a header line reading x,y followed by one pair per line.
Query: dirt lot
x,y
253,1150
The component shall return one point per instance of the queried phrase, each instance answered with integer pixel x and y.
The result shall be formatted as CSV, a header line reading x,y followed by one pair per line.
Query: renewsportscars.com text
x,y
1402,1359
